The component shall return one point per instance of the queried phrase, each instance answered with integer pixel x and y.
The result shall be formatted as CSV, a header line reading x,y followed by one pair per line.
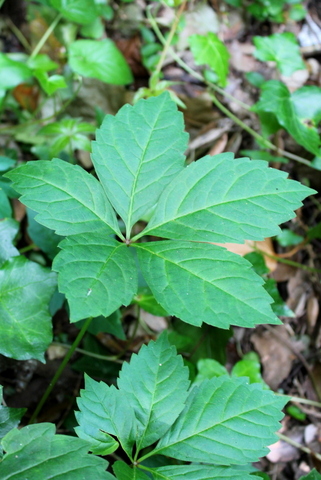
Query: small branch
x,y
112,358
170,37
45,37
60,369
299,446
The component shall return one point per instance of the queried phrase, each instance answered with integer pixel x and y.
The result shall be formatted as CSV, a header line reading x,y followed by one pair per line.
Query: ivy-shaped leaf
x,y
9,417
299,113
79,11
224,420
143,164
88,266
36,452
104,410
69,199
200,472
218,199
8,231
158,396
99,59
208,49
26,328
281,48
138,156
221,416
199,283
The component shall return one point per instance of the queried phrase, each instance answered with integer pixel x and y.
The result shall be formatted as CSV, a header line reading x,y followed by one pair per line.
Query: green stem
x,y
227,112
18,33
60,369
171,34
45,36
239,122
286,261
28,248
300,400
112,358
295,444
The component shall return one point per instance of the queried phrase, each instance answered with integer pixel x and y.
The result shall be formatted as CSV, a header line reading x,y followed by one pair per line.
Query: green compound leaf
x,y
99,59
104,409
299,113
200,472
26,329
281,48
35,452
138,152
158,396
198,282
225,422
69,200
8,231
9,417
79,11
218,199
208,49
97,275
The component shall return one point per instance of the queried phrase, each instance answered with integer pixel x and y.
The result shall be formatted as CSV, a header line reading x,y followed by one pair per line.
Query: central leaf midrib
x,y
140,166
197,276
73,197
206,207
217,424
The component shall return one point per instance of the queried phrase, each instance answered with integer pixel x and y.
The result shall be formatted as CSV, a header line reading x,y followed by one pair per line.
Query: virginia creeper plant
x,y
221,425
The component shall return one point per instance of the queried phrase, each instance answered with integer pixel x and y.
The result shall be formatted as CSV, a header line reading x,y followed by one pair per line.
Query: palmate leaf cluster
x,y
139,159
168,429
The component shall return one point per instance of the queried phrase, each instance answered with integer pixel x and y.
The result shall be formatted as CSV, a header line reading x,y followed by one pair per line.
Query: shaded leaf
x,y
9,417
8,231
69,200
36,452
218,199
135,171
99,59
249,367
158,396
104,409
5,207
198,282
42,236
200,472
297,113
208,49
125,472
281,48
226,422
313,475
79,11
96,273
12,72
209,368
26,329
146,300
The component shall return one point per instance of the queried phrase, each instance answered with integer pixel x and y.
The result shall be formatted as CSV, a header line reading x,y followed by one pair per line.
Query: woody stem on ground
x,y
60,370
214,87
45,36
169,39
